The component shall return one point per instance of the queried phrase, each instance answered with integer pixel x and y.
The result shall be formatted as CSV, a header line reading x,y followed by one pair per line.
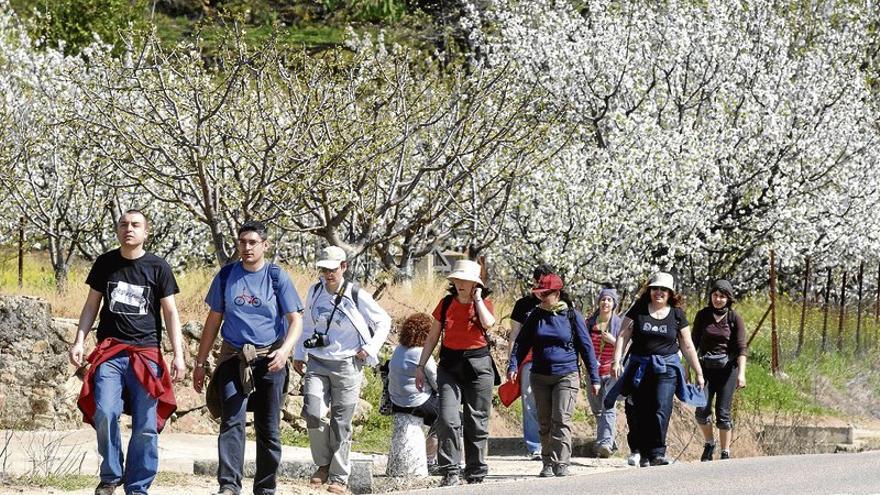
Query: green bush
x,y
76,22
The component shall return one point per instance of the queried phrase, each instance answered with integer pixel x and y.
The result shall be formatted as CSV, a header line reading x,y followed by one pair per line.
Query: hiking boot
x,y
660,461
708,452
105,488
561,470
450,479
546,471
603,451
434,470
634,458
725,454
320,476
337,488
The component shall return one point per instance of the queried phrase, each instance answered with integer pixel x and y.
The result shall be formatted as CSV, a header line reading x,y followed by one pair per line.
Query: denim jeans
x,y
531,430
653,409
606,419
115,379
265,401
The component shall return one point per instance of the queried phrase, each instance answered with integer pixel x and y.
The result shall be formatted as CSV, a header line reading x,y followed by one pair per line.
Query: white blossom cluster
x,y
698,136
610,138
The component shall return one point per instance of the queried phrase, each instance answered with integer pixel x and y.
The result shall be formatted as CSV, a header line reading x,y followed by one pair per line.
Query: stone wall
x,y
39,387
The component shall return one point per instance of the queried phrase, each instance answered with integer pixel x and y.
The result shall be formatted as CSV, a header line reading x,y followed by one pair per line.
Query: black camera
x,y
316,340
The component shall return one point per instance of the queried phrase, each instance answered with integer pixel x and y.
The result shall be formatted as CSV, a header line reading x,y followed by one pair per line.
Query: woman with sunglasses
x,y
658,329
556,334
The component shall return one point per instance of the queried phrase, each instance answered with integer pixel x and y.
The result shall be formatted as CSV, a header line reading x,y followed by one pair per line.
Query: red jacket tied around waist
x,y
158,388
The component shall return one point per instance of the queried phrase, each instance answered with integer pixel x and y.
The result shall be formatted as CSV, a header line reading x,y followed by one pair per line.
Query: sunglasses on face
x,y
658,288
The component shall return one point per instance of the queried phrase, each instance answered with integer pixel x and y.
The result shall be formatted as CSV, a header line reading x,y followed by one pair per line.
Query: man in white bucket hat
x,y
343,330
465,375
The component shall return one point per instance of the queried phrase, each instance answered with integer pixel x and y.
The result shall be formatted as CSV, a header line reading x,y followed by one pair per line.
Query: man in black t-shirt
x,y
521,310
134,291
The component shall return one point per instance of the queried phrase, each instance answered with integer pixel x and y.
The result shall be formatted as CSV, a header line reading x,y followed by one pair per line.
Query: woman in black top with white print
x,y
658,328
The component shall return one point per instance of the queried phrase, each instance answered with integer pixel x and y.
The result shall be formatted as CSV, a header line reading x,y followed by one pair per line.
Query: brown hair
x,y
675,300
414,329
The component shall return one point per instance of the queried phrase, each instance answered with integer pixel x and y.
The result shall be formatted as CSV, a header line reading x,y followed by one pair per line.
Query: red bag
x,y
509,391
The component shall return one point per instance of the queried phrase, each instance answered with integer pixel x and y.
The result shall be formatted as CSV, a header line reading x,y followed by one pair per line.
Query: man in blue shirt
x,y
261,316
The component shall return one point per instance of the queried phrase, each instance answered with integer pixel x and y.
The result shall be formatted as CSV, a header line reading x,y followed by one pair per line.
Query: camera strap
x,y
339,295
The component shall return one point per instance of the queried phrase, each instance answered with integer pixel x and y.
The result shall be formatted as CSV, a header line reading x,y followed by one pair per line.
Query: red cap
x,y
551,281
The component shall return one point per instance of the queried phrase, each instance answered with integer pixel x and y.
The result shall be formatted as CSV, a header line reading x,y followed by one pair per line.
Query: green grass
x,y
72,482
796,392
376,433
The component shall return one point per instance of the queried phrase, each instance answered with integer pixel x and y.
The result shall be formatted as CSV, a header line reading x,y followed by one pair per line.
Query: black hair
x,y
541,270
254,226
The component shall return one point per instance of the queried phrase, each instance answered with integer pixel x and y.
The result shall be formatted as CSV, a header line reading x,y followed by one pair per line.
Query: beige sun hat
x,y
662,279
331,257
466,270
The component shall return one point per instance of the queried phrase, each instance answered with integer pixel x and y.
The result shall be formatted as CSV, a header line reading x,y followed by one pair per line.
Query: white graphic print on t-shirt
x,y
648,328
128,299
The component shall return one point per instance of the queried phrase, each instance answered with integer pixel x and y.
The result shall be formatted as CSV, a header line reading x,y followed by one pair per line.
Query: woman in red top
x,y
465,374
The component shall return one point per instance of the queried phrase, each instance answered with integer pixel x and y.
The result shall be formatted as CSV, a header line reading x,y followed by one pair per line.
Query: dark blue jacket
x,y
638,366
555,350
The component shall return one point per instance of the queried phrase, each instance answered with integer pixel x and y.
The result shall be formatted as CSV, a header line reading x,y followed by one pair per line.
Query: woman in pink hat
x,y
556,334
466,373
658,328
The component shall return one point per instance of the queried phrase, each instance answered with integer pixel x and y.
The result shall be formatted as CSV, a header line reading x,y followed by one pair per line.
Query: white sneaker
x,y
633,459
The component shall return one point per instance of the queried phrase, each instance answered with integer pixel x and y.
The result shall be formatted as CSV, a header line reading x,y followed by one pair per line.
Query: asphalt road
x,y
838,474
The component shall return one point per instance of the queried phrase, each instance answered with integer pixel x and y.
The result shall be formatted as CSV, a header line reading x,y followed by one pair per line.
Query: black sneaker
x,y
105,488
708,452
546,471
644,462
725,454
450,479
473,480
660,461
561,470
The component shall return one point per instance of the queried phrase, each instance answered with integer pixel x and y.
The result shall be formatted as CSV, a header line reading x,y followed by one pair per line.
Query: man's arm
x,y
209,335
172,326
280,356
86,319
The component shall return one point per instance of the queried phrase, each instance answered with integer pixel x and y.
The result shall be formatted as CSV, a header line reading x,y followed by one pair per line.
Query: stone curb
x,y
360,480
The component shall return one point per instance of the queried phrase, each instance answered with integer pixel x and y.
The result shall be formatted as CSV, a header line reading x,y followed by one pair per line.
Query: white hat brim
x,y
329,264
464,276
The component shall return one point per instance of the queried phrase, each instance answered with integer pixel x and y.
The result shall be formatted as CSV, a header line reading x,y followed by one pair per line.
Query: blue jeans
x,y
653,409
265,401
531,429
115,379
606,419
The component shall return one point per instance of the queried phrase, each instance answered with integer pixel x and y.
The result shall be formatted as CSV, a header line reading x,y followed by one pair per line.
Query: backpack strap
x,y
356,297
444,308
224,280
572,321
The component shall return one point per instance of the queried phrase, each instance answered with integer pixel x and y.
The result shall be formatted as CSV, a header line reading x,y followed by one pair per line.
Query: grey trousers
x,y
555,397
333,385
606,419
466,382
